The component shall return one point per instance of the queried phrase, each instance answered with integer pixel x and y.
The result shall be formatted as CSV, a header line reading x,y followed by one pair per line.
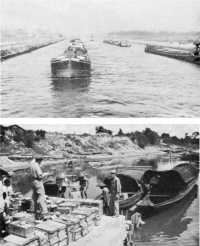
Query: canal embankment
x,y
15,42
98,151
12,50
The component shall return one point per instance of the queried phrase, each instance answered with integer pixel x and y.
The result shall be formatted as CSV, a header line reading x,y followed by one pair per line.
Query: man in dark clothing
x,y
83,182
105,198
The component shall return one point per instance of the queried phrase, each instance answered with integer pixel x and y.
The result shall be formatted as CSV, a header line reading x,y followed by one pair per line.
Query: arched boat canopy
x,y
3,172
128,183
170,181
186,171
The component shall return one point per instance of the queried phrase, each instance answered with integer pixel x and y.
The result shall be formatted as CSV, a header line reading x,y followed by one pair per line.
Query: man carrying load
x,y
38,188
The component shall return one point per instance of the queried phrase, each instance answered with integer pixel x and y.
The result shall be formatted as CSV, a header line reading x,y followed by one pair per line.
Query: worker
x,y
7,187
4,217
115,190
136,220
105,198
63,183
83,182
38,189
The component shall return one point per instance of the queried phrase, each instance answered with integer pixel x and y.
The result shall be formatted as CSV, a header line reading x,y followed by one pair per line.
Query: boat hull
x,y
148,210
73,66
172,53
131,201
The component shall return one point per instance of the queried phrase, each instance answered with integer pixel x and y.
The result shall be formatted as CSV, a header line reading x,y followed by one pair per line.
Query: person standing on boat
x,y
115,191
83,182
38,188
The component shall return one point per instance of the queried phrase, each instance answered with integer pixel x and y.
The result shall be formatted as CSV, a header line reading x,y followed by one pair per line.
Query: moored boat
x,y
131,190
170,52
166,188
122,43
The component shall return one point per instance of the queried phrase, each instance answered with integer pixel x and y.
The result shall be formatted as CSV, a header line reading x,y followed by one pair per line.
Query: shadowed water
x,y
124,82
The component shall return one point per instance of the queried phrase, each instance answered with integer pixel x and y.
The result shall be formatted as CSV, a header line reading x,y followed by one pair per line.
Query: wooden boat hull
x,y
156,202
131,201
147,211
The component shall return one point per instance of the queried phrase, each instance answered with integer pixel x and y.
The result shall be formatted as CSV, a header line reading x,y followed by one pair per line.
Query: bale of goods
x,y
91,203
20,241
21,228
55,231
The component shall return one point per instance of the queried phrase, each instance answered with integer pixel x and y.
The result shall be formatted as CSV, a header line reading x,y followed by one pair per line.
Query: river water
x,y
124,82
177,225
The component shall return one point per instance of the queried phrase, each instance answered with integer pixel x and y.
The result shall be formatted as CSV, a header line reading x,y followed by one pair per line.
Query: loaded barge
x,y
75,60
184,55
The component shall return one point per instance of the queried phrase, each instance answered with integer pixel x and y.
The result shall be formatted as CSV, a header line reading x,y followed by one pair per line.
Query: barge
x,y
170,52
75,60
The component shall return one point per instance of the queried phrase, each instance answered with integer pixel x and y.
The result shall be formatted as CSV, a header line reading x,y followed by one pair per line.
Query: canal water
x,y
124,82
178,225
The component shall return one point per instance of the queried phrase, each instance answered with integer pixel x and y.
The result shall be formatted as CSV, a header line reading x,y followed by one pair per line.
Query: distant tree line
x,y
192,139
18,134
150,137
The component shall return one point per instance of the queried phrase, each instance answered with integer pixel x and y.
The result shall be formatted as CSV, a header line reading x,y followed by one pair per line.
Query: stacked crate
x,y
15,205
73,226
88,214
20,241
21,228
56,232
67,207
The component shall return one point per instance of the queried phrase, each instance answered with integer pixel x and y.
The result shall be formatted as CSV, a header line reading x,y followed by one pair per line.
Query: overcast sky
x,y
173,130
101,16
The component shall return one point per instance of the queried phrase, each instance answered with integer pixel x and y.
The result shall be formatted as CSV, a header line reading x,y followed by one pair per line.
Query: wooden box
x,y
20,241
55,231
21,228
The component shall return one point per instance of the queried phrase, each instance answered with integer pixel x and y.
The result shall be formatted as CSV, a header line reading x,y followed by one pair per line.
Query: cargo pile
x,y
68,220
